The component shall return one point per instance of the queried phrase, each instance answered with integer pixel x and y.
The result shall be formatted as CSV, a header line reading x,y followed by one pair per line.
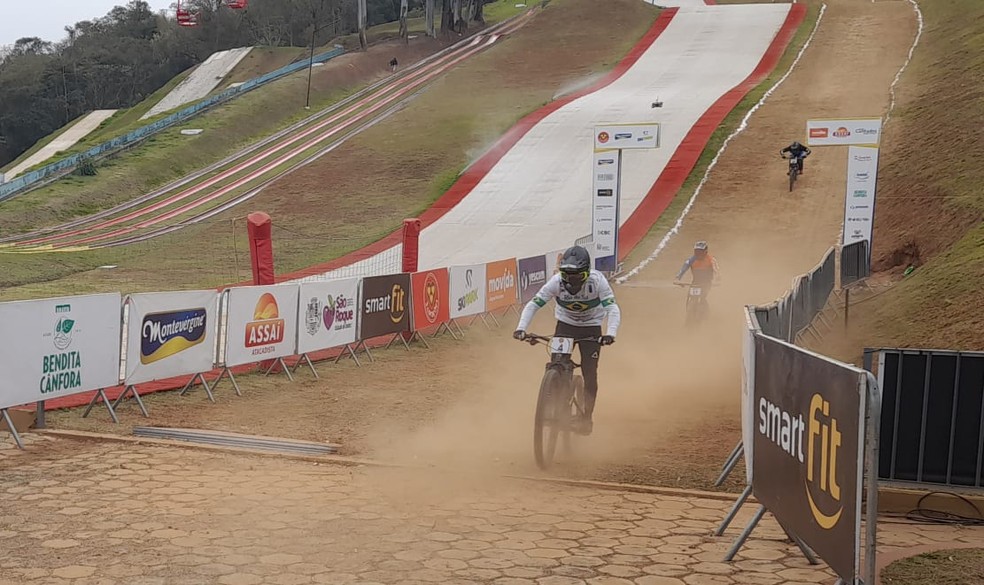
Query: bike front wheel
x,y
792,177
552,413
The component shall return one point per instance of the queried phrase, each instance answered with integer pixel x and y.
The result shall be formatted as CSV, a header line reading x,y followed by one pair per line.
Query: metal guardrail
x,y
36,178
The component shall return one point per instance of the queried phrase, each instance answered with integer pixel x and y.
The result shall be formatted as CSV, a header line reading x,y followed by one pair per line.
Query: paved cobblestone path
x,y
105,514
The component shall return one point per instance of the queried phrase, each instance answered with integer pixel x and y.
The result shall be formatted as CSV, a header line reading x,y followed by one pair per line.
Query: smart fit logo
x,y
821,462
822,441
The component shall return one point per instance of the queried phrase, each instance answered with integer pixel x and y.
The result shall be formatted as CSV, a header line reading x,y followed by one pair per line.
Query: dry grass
x,y
945,567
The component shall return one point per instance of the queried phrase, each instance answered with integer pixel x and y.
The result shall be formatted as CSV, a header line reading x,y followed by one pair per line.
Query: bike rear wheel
x,y
552,414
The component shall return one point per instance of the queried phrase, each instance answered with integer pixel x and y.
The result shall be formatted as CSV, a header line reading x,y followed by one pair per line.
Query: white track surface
x,y
202,80
64,141
528,203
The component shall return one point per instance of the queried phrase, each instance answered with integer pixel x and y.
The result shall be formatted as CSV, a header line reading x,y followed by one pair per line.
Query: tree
x,y
404,31
429,18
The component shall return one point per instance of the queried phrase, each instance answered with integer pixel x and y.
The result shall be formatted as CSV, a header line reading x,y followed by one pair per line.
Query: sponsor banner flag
x,y
606,196
261,323
430,298
809,448
532,276
501,286
328,314
627,136
843,132
386,305
859,200
170,334
58,347
467,290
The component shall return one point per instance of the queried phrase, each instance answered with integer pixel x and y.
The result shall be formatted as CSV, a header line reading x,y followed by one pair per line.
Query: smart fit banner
x,y
809,449
532,277
430,298
261,323
467,290
329,314
386,305
170,334
59,346
501,286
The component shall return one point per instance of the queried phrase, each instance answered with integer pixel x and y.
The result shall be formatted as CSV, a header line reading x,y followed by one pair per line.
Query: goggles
x,y
574,278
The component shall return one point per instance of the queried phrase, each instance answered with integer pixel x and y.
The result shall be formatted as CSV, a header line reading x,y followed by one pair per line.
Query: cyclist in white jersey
x,y
584,298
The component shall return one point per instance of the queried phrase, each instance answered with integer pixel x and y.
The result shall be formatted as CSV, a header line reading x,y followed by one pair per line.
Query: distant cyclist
x,y
702,265
798,151
584,298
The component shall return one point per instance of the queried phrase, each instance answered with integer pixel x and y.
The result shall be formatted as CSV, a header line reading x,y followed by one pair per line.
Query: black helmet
x,y
575,267
796,145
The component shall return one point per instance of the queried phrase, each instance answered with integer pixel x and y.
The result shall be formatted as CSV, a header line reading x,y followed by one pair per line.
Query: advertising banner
x,y
328,314
261,324
843,132
532,277
859,200
809,449
553,261
628,136
467,290
386,305
430,298
59,346
747,394
501,286
606,195
170,334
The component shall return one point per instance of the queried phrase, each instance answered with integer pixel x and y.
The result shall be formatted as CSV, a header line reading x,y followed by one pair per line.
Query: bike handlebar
x,y
533,339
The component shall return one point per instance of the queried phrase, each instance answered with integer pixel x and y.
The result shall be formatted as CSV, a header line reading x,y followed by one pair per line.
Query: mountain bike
x,y
561,399
696,302
794,170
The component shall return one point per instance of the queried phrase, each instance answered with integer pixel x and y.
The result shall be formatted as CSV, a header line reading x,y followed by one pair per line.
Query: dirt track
x,y
669,400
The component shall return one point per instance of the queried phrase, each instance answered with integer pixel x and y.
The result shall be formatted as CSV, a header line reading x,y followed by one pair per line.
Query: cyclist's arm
x,y
614,314
547,292
686,267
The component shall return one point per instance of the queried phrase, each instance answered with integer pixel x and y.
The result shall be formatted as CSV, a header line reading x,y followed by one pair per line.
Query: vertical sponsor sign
x,y
170,334
748,393
606,184
501,286
430,298
386,305
467,290
859,202
58,346
328,314
532,276
809,449
261,323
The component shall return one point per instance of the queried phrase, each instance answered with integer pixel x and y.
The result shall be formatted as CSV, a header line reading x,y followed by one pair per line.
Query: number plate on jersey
x,y
562,345
695,291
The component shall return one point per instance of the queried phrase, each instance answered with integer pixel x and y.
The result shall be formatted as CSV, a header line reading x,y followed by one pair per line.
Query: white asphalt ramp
x,y
64,141
201,82
538,197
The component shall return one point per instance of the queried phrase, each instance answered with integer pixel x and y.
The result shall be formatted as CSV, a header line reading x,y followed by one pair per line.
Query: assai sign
x,y
532,276
386,305
262,323
170,334
430,298
809,448
329,313
59,346
859,202
467,290
858,131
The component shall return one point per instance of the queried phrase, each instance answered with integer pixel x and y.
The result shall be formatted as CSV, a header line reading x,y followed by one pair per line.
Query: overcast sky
x,y
48,18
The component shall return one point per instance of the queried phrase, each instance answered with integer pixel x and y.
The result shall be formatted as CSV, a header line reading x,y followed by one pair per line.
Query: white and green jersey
x,y
587,308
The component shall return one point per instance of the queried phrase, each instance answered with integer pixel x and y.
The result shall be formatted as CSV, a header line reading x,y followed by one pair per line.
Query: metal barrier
x,y
34,178
855,264
932,423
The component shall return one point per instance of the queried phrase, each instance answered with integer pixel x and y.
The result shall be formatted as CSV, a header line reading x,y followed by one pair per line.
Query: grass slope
x,y
944,567
362,190
41,144
930,202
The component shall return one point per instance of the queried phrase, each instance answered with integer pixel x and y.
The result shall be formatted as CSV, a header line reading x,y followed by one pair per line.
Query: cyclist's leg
x,y
589,353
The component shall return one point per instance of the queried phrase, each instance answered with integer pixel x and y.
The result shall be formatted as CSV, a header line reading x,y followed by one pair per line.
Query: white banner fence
x,y
58,347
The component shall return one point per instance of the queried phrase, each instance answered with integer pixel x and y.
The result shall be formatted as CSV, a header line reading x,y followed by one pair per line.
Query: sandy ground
x,y
668,407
